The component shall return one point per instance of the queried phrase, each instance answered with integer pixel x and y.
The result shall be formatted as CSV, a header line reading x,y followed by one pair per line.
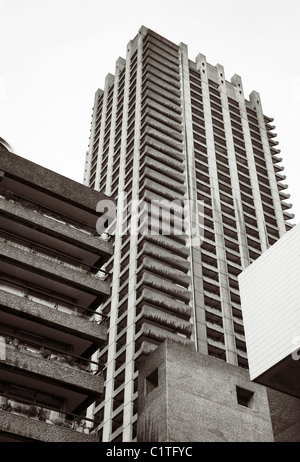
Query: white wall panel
x,y
270,295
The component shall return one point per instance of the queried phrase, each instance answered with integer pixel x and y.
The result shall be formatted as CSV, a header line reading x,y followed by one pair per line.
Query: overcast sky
x,y
56,53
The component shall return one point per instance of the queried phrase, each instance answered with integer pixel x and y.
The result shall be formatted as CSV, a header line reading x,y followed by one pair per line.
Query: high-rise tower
x,y
166,128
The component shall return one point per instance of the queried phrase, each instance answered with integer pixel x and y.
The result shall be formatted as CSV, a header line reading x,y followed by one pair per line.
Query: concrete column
x,y
130,344
194,242
237,82
116,282
89,154
120,64
229,335
256,103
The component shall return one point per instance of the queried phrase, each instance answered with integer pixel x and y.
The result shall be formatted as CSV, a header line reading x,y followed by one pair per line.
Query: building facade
x,y
51,285
172,132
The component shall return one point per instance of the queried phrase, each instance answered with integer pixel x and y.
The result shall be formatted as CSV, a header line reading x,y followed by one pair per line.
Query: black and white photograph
x,y
149,225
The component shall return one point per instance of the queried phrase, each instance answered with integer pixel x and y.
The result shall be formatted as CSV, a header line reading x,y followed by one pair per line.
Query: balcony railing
x,y
52,214
49,353
50,416
54,302
45,253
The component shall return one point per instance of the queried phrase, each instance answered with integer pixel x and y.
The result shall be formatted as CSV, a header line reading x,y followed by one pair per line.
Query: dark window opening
x,y
151,381
245,397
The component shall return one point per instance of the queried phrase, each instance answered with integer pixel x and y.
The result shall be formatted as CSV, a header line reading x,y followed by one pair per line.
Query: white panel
x,y
270,296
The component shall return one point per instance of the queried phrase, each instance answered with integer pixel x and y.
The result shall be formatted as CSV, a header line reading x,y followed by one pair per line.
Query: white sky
x,y
54,54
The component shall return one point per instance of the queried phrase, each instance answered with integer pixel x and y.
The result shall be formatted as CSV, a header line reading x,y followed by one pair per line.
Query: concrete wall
x,y
196,400
50,182
285,414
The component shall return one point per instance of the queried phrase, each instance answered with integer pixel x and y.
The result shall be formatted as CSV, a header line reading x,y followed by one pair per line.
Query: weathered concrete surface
x,y
196,400
40,431
285,414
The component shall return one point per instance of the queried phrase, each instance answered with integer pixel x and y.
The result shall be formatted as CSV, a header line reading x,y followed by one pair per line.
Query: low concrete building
x,y
187,396
52,282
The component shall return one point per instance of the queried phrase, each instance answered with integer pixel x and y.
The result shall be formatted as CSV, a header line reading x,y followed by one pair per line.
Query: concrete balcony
x,y
161,42
282,186
280,177
276,159
51,314
165,62
175,260
164,138
166,287
158,114
166,95
168,105
169,321
154,334
20,427
162,83
28,219
163,191
168,201
51,190
288,216
158,108
165,180
166,303
270,127
165,271
164,159
166,171
162,67
17,260
284,195
179,248
52,371
278,168
165,128
163,75
163,148
162,51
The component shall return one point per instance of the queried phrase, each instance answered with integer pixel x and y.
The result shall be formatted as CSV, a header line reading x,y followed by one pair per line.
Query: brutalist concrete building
x,y
174,132
188,396
51,286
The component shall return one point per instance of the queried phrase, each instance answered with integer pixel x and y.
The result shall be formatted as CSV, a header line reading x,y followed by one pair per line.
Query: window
x,y
245,397
151,382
